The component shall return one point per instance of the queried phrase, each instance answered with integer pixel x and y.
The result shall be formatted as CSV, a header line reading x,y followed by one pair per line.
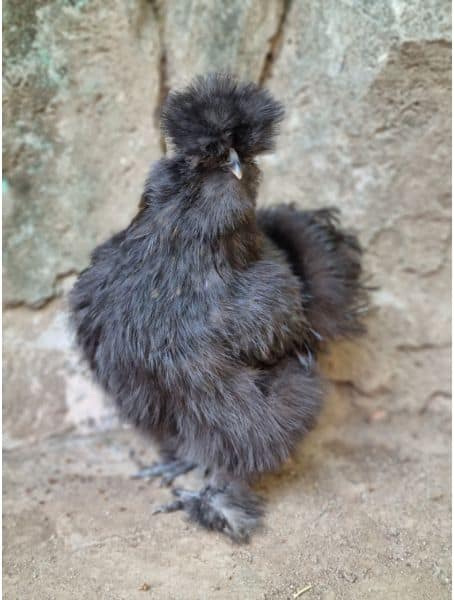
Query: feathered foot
x,y
232,509
168,471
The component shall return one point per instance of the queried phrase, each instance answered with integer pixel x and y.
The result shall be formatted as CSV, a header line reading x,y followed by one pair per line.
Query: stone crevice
x,y
275,44
164,87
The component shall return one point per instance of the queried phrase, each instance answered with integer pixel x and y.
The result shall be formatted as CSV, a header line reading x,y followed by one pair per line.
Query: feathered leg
x,y
226,504
249,435
169,468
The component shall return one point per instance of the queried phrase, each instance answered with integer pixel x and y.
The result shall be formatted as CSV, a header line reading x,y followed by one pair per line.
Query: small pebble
x,y
378,415
144,587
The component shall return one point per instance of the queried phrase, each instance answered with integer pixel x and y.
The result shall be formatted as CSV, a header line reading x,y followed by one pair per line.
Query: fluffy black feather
x,y
328,262
198,318
216,112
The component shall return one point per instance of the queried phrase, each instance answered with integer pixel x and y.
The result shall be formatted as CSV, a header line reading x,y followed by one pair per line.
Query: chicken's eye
x,y
241,133
213,148
210,148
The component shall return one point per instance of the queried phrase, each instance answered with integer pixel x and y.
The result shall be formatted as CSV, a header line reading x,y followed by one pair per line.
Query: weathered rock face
x,y
366,87
80,89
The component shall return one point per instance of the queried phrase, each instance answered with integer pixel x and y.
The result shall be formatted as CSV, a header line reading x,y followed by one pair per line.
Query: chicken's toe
x,y
170,507
231,511
168,471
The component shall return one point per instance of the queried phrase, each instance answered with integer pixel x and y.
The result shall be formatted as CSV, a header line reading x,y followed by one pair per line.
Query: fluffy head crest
x,y
216,113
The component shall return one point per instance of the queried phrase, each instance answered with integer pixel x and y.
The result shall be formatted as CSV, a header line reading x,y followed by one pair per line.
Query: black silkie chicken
x,y
203,317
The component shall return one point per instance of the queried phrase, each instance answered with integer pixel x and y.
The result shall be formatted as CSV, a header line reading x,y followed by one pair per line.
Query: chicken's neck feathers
x,y
199,220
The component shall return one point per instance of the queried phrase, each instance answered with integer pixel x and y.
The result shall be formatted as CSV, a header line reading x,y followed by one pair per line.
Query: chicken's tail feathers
x,y
328,260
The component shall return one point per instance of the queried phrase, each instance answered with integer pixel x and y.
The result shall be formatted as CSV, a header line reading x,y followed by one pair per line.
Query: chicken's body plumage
x,y
202,318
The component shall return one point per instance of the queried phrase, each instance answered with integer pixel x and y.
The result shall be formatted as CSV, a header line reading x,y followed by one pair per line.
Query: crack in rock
x,y
275,43
164,88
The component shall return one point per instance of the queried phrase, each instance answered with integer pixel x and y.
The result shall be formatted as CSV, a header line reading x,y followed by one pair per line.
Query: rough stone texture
x,y
235,36
363,511
80,88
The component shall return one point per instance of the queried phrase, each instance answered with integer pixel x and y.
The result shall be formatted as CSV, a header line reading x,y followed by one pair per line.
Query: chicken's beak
x,y
234,164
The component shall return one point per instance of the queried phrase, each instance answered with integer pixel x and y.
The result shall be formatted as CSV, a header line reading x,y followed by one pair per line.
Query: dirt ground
x,y
361,513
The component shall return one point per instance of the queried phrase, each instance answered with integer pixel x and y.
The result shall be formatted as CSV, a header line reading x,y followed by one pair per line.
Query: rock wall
x,y
367,91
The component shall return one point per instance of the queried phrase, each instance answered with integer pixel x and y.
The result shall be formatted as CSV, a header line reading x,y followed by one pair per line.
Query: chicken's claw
x,y
168,471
